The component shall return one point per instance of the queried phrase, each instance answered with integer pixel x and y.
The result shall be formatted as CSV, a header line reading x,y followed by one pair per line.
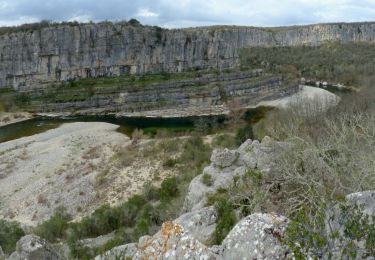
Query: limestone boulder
x,y
200,224
256,237
119,252
196,197
31,247
227,164
224,158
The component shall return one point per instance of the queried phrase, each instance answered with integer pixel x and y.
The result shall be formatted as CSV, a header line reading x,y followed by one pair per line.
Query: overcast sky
x,y
186,13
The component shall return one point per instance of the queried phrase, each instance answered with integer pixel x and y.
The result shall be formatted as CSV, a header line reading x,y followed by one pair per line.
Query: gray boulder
x,y
119,252
196,197
224,158
227,164
32,247
200,224
256,237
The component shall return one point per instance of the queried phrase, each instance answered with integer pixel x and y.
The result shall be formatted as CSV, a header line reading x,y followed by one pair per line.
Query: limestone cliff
x,y
62,52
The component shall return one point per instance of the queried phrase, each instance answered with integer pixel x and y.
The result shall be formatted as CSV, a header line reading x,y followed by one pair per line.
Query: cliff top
x,y
134,23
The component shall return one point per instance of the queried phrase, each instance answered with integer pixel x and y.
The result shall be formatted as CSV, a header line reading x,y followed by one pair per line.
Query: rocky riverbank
x,y
7,118
65,167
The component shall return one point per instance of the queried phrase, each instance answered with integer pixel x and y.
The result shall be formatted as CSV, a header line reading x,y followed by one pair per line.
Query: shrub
x,y
224,141
55,227
170,162
225,220
243,134
134,22
169,189
207,179
195,152
10,233
150,192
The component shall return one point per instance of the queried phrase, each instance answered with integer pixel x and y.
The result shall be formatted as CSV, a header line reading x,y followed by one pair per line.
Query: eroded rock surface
x,y
223,158
32,247
256,237
172,242
200,224
227,164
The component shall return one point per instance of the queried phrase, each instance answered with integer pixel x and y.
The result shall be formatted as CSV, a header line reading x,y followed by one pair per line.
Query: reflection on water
x,y
150,126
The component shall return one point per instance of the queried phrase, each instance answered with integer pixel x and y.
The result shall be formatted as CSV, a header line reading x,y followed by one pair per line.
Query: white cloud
x,y
182,13
144,12
80,18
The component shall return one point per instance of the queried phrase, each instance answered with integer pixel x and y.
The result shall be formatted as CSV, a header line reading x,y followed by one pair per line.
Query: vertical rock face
x,y
60,53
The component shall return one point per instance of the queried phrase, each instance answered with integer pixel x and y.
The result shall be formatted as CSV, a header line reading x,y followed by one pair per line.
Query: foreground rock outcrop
x,y
31,247
227,164
65,52
254,237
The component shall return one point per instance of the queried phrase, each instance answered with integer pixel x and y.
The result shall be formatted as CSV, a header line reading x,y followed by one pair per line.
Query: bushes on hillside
x,y
10,233
243,134
169,189
55,227
349,63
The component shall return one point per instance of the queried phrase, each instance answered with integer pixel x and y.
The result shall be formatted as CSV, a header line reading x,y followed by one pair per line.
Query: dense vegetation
x,y
351,64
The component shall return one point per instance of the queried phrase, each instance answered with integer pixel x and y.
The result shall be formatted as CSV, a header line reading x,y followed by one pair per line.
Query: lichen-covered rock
x,y
200,224
227,164
119,252
196,197
172,242
365,199
31,247
224,158
261,155
256,237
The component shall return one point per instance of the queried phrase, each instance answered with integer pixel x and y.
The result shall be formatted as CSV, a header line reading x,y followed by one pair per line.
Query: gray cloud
x,y
185,13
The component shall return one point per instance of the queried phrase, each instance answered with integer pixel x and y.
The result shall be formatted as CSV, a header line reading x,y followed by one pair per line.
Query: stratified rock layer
x,y
60,53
